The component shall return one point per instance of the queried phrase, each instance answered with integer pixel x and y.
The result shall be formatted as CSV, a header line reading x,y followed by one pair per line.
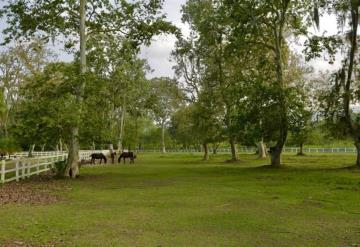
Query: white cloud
x,y
158,53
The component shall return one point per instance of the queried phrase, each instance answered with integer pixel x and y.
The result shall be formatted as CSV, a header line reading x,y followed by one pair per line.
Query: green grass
x,y
178,200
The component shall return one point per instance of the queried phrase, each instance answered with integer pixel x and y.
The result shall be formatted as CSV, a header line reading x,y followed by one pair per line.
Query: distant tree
x,y
165,98
15,64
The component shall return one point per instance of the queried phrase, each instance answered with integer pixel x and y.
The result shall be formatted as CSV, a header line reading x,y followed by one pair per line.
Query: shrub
x,y
59,168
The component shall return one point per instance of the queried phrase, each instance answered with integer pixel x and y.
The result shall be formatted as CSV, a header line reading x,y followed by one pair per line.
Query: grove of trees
x,y
239,79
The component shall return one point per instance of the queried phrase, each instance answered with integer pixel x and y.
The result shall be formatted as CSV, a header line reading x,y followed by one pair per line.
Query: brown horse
x,y
129,155
97,156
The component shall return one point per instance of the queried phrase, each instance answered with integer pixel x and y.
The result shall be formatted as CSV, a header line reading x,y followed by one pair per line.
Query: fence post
x,y
3,171
28,169
22,167
17,171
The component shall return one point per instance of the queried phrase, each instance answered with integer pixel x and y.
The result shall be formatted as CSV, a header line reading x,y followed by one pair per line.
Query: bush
x,y
59,168
9,145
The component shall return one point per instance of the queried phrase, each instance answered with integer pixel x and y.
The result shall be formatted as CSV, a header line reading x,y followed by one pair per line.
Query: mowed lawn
x,y
179,200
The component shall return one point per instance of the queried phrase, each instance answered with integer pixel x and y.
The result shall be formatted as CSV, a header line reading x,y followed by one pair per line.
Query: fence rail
x,y
21,166
24,168
85,154
253,150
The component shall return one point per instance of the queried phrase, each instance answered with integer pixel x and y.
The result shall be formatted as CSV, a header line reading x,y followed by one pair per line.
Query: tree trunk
x,y
357,144
31,150
276,156
163,148
73,159
206,151
122,122
261,150
61,145
352,125
301,151
233,149
283,122
43,147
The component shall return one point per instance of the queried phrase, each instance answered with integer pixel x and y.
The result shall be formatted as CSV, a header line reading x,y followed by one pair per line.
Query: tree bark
x,y
233,149
73,155
261,150
73,159
163,148
301,151
353,126
122,122
283,122
61,145
31,150
206,151
276,156
357,145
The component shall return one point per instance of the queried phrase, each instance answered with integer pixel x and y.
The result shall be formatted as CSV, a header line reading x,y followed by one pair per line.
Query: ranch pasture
x,y
179,200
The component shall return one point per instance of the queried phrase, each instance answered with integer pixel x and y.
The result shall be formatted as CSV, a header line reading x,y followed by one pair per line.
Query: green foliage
x,y
139,21
45,112
9,145
60,168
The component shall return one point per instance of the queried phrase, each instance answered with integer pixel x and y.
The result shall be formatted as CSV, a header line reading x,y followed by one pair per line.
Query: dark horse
x,y
97,156
129,155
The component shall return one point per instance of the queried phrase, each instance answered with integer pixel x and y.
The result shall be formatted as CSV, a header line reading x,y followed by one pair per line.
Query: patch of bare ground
x,y
23,244
43,189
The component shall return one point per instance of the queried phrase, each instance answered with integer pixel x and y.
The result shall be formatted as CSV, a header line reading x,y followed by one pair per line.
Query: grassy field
x,y
178,200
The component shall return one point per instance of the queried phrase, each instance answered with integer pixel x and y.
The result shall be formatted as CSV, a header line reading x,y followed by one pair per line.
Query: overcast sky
x,y
158,54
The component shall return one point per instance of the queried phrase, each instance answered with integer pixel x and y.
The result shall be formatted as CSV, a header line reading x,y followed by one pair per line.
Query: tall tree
x,y
165,99
265,24
343,94
76,21
209,24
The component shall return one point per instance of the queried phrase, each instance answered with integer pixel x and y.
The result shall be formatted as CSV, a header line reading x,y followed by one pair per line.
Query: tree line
x,y
238,78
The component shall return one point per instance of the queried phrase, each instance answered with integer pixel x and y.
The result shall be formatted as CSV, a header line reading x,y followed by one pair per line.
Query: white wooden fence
x,y
20,155
24,168
85,154
21,167
253,150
